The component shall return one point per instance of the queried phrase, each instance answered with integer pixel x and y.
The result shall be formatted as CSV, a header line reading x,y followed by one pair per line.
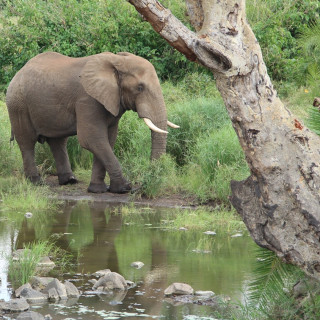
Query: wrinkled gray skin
x,y
53,97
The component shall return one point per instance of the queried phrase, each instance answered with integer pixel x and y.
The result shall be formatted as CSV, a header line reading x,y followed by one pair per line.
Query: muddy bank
x,y
79,192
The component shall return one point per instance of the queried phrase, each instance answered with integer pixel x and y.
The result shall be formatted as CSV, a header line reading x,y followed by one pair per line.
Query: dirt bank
x,y
79,192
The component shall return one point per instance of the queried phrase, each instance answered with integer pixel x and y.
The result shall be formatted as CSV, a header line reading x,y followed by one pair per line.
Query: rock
x,y
237,235
28,215
101,273
111,281
130,283
15,305
137,264
210,233
18,291
33,296
53,294
183,229
39,283
204,293
179,289
58,286
46,262
72,291
30,315
304,286
18,254
93,281
47,317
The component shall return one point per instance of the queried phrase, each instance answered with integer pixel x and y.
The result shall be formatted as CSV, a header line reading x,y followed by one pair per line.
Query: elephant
x,y
54,96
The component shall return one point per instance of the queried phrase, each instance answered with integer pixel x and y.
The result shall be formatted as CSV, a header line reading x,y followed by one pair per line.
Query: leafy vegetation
x,y
23,266
204,155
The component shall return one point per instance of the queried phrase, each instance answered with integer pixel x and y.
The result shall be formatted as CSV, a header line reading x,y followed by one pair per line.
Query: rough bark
x,y
279,202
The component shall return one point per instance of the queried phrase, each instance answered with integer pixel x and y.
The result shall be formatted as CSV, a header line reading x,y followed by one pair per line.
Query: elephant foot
x,y
98,188
35,179
125,188
67,178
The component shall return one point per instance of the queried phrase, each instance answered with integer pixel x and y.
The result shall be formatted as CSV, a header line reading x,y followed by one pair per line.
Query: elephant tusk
x,y
172,125
153,127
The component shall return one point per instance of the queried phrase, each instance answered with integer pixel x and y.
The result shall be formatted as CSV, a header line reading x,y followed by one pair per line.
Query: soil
x,y
79,192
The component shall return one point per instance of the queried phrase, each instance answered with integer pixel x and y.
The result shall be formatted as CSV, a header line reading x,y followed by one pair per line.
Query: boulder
x,y
15,305
33,296
111,281
53,294
46,263
178,289
72,291
101,273
30,315
18,291
58,286
204,293
39,283
137,264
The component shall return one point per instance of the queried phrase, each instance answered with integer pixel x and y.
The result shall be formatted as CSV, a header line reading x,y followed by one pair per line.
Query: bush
x,y
81,28
277,25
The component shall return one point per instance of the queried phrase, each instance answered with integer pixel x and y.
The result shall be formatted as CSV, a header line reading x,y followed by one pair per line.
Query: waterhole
x,y
102,236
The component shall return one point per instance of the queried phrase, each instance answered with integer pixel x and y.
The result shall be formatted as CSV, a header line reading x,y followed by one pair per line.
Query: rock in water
x,y
178,289
18,291
30,315
137,264
15,305
72,291
58,286
33,296
111,281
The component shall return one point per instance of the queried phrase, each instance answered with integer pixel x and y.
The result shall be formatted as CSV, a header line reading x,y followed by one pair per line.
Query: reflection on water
x,y
99,239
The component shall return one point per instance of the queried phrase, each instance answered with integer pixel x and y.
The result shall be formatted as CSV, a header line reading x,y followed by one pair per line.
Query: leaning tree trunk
x,y
279,202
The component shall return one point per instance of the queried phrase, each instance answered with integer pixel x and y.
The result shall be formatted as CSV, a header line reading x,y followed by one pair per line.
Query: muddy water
x,y
99,237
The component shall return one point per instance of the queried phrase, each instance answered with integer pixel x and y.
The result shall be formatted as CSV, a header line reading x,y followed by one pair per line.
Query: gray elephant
x,y
53,97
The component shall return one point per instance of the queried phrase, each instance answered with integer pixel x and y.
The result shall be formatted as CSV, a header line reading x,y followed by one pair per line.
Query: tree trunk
x,y
279,202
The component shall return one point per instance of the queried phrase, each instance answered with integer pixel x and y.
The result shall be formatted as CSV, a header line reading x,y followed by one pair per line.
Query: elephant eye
x,y
140,87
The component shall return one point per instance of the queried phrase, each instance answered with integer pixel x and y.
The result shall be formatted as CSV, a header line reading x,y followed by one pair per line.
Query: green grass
x,y
21,270
19,194
203,220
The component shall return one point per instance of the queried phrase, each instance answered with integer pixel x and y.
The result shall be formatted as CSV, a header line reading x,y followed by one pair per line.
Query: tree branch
x,y
195,47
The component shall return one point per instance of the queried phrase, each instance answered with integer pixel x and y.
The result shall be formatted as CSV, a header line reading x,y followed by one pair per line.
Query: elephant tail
x,y
12,136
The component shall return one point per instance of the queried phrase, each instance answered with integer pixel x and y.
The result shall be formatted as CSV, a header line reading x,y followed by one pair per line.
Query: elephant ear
x,y
100,80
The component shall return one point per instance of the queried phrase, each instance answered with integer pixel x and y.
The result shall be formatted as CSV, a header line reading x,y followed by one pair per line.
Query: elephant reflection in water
x,y
94,235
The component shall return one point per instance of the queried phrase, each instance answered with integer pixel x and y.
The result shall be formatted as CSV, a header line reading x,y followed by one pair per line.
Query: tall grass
x,y
19,194
22,269
10,159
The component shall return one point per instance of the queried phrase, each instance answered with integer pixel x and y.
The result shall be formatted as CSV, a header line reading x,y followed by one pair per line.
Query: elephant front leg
x,y
97,184
106,161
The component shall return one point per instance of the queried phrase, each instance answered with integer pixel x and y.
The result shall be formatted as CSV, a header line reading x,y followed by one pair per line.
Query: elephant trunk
x,y
158,116
159,140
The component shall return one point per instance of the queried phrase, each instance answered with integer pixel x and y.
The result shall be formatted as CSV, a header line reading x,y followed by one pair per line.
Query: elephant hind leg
x,y
58,148
29,165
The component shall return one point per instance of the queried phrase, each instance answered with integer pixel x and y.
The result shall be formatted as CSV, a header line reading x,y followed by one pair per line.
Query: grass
x,y
21,270
203,220
19,194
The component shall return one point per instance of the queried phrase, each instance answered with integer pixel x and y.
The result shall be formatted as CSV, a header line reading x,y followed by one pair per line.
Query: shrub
x,y
81,28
